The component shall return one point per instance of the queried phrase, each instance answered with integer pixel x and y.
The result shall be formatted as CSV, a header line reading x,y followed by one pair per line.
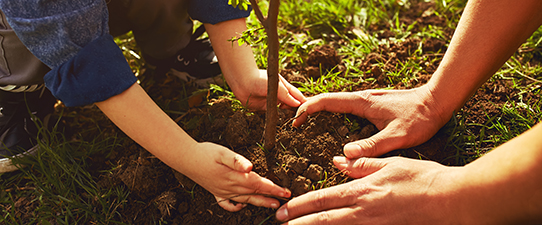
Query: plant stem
x,y
270,25
272,75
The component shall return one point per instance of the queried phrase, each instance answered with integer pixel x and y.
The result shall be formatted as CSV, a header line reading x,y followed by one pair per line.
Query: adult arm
x,y
488,33
502,187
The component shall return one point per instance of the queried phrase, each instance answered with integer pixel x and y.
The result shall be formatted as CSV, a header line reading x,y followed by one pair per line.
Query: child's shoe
x,y
18,131
196,63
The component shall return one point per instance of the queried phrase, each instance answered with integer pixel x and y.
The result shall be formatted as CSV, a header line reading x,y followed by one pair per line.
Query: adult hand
x,y
405,118
392,191
252,92
228,176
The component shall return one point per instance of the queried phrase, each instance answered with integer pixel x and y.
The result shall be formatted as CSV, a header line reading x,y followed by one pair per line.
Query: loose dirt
x,y
302,160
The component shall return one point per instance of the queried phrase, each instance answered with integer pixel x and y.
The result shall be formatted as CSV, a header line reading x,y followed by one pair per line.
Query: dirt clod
x,y
300,185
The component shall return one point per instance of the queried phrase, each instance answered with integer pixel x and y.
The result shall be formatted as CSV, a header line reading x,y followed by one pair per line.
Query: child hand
x,y
252,92
228,176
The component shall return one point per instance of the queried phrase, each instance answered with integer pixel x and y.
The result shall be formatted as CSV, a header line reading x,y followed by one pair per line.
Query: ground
x,y
302,160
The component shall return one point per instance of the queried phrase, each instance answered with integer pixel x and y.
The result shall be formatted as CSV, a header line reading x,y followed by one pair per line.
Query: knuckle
x,y
321,199
248,199
369,146
323,217
325,95
363,95
361,163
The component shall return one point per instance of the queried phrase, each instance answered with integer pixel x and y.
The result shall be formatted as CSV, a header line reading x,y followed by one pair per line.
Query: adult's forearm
x,y
136,114
488,33
504,186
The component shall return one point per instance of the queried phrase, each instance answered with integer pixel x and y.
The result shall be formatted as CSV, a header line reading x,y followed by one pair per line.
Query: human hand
x,y
392,191
252,92
228,176
405,118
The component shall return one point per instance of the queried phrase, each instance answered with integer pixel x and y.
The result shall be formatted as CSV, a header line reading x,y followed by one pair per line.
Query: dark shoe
x,y
196,63
18,131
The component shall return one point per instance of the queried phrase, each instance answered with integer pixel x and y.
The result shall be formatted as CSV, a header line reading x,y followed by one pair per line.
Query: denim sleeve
x,y
72,37
215,11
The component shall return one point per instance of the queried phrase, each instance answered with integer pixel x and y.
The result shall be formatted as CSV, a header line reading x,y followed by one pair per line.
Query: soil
x,y
302,160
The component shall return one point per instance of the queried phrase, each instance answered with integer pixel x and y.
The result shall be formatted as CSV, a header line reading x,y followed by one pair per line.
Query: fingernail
x,y
340,160
352,150
282,214
287,193
274,205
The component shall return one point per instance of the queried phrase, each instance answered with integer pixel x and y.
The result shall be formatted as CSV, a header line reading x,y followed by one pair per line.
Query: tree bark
x,y
270,25
272,75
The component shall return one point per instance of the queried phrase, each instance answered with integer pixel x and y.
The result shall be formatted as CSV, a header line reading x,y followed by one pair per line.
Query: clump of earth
x,y
302,158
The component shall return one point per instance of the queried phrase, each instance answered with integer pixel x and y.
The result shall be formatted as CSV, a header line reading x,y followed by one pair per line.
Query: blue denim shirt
x,y
72,38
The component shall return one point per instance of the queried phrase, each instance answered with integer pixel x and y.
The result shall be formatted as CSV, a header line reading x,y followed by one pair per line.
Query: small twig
x,y
302,112
20,189
420,154
523,75
258,12
239,195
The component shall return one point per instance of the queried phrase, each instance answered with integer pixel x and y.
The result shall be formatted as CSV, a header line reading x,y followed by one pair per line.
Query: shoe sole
x,y
202,83
6,164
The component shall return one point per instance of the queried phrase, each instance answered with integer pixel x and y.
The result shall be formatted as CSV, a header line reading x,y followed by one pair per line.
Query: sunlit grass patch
x,y
55,185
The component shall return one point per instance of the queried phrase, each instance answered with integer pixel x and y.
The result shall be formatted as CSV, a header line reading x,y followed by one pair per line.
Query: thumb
x,y
292,96
376,145
357,168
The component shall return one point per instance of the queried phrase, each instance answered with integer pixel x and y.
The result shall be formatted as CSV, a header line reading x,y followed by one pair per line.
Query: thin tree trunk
x,y
272,75
270,25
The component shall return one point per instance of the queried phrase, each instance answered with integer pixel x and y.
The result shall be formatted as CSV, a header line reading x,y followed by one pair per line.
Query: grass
x,y
58,186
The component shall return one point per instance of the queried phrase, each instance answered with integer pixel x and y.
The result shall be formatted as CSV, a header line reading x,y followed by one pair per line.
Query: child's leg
x,y
21,91
160,27
163,31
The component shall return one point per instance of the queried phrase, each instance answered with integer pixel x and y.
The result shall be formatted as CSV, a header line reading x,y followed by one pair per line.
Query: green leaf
x,y
243,4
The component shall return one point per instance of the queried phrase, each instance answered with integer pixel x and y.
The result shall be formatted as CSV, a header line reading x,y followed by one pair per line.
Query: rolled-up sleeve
x,y
215,11
72,37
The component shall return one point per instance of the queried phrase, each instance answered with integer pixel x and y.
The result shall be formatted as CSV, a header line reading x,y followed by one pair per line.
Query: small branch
x,y
258,13
240,195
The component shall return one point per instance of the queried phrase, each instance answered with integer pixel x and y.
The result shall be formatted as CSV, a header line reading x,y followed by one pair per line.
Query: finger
x,y
380,143
294,92
361,167
334,197
285,96
257,200
334,216
301,115
228,205
283,106
257,184
341,102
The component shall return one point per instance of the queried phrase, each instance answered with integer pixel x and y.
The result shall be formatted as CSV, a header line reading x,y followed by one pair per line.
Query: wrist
x,y
448,198
243,84
441,109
